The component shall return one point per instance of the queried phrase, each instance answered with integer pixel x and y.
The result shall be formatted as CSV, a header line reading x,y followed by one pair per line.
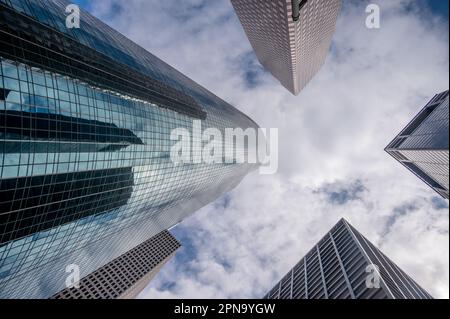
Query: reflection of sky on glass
x,y
85,4
163,193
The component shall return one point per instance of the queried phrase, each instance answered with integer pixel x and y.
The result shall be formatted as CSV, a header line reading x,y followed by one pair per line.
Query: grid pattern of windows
x,y
423,145
120,277
336,269
85,168
293,51
112,44
267,29
22,39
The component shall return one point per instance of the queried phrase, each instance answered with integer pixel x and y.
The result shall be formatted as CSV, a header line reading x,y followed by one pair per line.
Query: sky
x,y
331,148
439,7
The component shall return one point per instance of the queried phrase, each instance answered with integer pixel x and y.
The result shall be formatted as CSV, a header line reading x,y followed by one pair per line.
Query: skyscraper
x,y
345,265
422,146
127,275
86,174
291,38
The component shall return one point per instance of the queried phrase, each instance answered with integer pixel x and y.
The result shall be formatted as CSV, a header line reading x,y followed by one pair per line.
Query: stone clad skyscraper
x,y
127,275
86,117
291,38
422,146
345,265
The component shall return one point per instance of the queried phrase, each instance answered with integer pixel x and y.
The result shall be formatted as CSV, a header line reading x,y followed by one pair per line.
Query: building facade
x,y
126,276
345,265
422,146
86,175
291,38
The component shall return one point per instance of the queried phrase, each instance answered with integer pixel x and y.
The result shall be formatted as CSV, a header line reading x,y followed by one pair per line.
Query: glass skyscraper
x,y
86,117
422,146
345,265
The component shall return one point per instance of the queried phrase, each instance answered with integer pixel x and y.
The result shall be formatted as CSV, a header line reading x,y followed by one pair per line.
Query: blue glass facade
x,y
85,123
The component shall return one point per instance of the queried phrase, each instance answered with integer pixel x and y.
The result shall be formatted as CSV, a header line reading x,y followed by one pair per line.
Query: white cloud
x,y
373,83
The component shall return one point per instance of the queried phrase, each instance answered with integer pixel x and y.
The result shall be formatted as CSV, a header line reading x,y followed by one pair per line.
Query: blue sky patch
x,y
339,193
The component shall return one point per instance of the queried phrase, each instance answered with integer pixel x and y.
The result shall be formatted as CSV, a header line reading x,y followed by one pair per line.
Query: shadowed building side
x,y
29,205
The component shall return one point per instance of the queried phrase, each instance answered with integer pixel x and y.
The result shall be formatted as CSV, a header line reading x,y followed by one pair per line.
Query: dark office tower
x,y
86,118
345,265
126,276
422,146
